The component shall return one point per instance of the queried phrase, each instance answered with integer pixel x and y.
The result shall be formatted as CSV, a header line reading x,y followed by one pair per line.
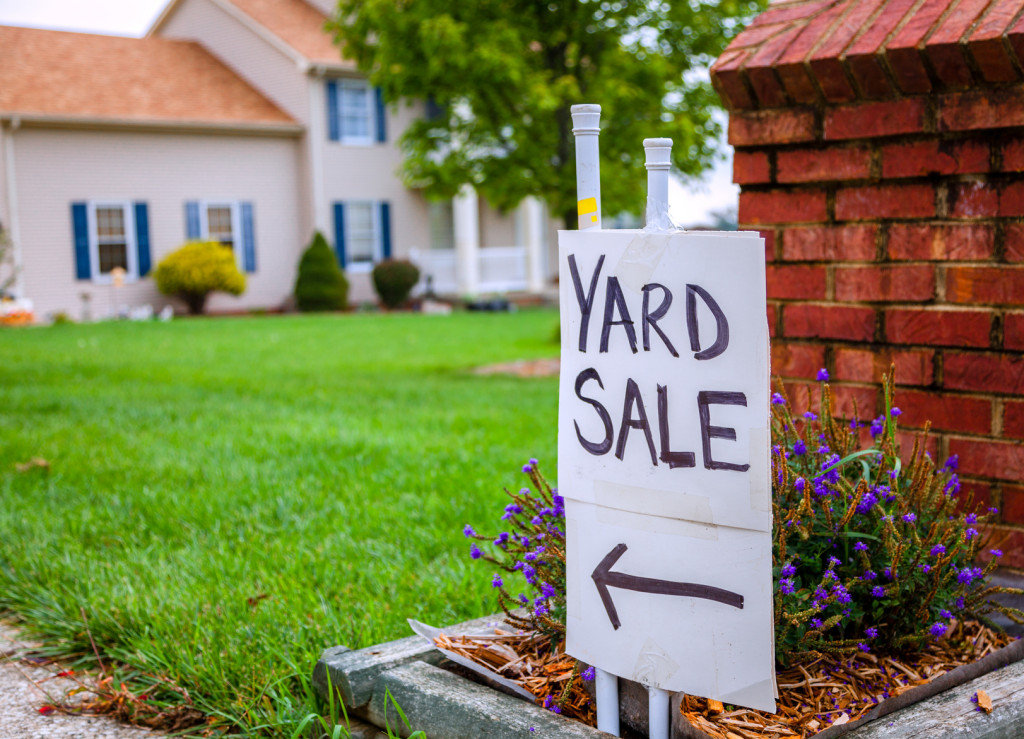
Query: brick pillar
x,y
880,151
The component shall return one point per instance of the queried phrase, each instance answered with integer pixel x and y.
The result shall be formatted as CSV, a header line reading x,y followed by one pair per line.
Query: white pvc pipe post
x,y
607,689
657,713
659,160
586,126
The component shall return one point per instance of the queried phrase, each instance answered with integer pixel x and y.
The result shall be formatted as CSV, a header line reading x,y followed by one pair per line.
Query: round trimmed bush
x,y
394,279
196,270
320,284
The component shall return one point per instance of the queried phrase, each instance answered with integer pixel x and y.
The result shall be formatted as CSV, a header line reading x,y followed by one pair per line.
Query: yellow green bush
x,y
197,269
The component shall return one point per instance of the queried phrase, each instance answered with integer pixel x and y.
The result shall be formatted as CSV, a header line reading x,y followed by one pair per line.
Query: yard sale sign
x,y
663,458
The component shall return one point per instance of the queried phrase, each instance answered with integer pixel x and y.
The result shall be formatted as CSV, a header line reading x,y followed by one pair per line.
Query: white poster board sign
x,y
663,458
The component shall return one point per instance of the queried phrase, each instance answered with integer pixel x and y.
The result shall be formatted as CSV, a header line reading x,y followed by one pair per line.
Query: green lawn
x,y
327,463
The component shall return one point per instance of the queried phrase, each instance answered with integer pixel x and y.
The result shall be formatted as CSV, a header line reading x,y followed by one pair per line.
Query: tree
x,y
196,270
504,73
320,284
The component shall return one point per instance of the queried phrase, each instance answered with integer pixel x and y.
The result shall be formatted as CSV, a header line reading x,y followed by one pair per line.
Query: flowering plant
x,y
868,552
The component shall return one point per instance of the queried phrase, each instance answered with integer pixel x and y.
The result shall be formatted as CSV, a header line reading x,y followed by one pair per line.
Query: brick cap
x,y
800,52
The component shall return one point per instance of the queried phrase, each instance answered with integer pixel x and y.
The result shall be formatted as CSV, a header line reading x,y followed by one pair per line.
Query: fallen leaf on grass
x,y
35,462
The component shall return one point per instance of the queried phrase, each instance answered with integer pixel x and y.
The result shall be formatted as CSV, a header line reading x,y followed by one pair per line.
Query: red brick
x,y
751,167
906,438
862,56
885,201
975,497
986,43
1013,504
829,243
934,156
769,245
795,282
1001,107
984,373
728,79
1013,331
814,165
1000,460
946,412
771,127
1013,419
902,49
978,285
853,401
1009,540
869,74
944,49
888,283
866,120
1015,242
773,321
791,65
918,241
1015,36
828,322
1011,199
782,206
797,360
938,327
831,78
1013,155
868,365
973,200
761,69
824,61
789,12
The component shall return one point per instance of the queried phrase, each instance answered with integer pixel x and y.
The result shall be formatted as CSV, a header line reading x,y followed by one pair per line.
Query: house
x,y
232,120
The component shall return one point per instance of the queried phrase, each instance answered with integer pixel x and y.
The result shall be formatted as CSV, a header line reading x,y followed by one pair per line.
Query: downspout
x,y
14,230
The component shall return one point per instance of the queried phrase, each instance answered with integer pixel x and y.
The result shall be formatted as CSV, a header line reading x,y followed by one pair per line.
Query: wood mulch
x,y
820,692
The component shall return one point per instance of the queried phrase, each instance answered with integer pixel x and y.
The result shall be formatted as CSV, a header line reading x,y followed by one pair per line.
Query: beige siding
x,y
496,228
256,60
57,168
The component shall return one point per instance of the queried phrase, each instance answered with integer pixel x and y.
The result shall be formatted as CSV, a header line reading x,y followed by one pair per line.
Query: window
x,y
442,229
228,222
221,220
363,235
355,112
111,239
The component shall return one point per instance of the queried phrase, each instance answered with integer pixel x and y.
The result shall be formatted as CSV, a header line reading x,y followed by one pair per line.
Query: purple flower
x,y
877,426
474,551
871,632
468,531
971,518
945,613
799,447
996,552
909,517
842,595
497,582
532,462
811,416
960,605
536,521
502,540
789,570
993,511
860,546
548,590
938,629
815,623
540,609
867,502
863,647
527,468
833,562
925,568
868,575
778,399
878,591
800,484
588,674
786,587
952,485
523,599
937,550
971,533
895,412
822,375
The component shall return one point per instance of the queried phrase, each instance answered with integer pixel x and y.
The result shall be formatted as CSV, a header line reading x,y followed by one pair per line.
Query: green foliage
x,y
869,553
394,279
196,270
320,285
506,73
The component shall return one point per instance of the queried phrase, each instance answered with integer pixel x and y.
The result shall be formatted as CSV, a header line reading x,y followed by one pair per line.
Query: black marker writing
x,y
586,302
602,447
614,301
650,318
709,432
721,340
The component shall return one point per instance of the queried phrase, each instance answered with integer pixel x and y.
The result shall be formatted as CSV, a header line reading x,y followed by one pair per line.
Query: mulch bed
x,y
822,691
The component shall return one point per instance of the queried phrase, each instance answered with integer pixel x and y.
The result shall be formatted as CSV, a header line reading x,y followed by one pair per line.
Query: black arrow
x,y
604,578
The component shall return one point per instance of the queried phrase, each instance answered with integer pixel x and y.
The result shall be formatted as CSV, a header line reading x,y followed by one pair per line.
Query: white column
x,y
607,697
659,161
657,713
316,137
466,225
533,237
12,225
586,127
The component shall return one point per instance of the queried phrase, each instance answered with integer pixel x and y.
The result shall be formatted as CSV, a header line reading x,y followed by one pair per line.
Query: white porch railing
x,y
501,269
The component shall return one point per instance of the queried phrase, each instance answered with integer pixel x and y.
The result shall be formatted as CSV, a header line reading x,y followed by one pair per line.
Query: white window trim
x,y
371,107
131,245
236,224
378,244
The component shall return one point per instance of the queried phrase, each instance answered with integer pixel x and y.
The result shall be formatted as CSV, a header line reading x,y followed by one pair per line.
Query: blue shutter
x,y
192,220
333,122
248,239
385,228
433,111
80,224
142,238
382,131
339,233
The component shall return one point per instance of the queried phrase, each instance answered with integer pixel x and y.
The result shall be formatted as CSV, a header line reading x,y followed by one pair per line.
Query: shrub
x,y
320,284
197,269
394,279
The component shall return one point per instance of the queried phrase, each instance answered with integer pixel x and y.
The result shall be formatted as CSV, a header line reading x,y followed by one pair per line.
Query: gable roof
x,y
296,24
802,51
61,76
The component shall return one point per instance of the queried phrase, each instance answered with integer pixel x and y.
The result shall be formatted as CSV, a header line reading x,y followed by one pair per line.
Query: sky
x,y
689,204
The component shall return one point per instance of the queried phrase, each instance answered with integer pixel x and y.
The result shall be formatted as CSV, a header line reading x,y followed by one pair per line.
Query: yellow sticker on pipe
x,y
587,205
